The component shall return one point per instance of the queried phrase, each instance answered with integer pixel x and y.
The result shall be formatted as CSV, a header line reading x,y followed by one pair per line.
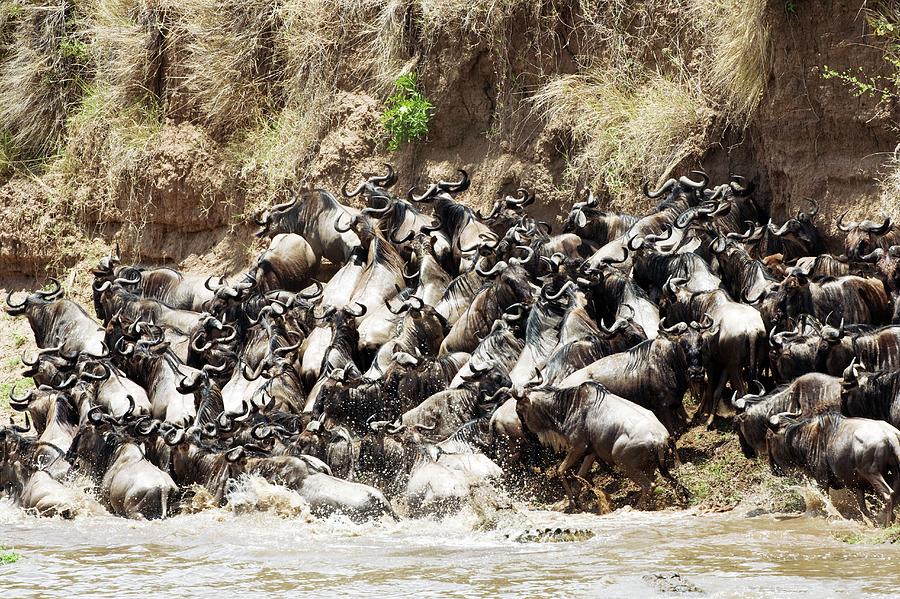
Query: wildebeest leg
x,y
575,453
882,488
644,482
705,400
716,395
863,508
737,382
585,469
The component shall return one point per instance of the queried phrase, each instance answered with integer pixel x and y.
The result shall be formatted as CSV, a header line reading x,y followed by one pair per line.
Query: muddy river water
x,y
282,551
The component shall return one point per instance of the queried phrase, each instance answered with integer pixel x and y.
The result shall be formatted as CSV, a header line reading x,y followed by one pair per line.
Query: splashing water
x,y
255,494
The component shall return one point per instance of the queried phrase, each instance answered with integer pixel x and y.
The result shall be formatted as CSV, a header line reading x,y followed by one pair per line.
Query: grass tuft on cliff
x,y
127,40
624,128
234,59
740,58
45,62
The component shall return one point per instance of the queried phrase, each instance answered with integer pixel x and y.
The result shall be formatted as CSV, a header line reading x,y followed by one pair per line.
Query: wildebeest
x,y
807,395
591,424
314,215
654,374
865,236
59,322
839,452
128,482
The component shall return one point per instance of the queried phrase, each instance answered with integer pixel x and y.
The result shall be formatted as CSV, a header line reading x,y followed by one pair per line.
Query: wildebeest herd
x,y
449,348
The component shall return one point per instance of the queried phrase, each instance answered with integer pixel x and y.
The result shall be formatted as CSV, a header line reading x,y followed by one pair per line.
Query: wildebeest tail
x,y
755,350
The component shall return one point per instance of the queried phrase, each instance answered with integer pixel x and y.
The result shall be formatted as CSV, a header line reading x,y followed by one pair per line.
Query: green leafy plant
x,y
407,112
8,557
861,84
75,50
884,19
790,6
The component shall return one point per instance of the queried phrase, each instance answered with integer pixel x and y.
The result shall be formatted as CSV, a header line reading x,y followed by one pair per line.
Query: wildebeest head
x,y
40,297
800,231
683,187
690,343
16,446
863,237
779,437
854,382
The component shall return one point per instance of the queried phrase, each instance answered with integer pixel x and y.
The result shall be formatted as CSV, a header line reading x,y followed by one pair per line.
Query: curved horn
x,y
174,437
664,188
355,192
741,186
358,312
555,296
529,252
635,243
56,288
387,180
104,375
126,281
379,212
208,284
337,223
883,228
814,209
19,402
520,199
495,210
457,187
19,428
308,295
873,256
406,238
500,266
403,307
283,206
425,197
676,329
509,316
704,180
326,313
15,309
842,226
195,344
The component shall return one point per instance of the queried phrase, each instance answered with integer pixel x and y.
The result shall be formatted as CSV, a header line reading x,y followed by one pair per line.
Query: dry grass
x,y
890,183
264,79
106,157
44,66
626,127
127,41
741,54
234,62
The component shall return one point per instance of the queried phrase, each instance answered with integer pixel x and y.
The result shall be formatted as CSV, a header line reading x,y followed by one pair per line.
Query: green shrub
x,y
884,19
407,112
